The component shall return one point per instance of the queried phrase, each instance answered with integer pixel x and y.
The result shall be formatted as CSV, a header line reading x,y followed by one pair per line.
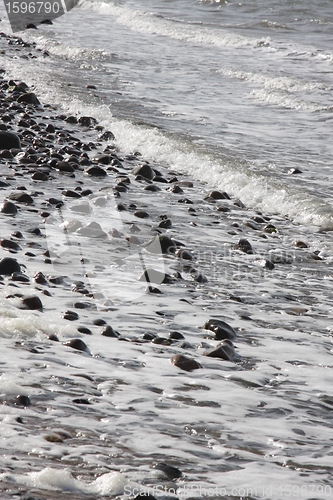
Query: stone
x,y
145,171
96,171
184,254
165,224
8,208
176,336
225,351
87,121
9,140
162,244
9,266
221,329
244,246
301,244
141,214
23,278
29,98
21,197
84,330
10,245
152,276
40,278
32,302
71,315
185,363
218,195
77,344
170,471
108,331
23,400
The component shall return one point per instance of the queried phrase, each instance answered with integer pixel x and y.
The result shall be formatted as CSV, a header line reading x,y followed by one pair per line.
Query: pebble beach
x,y
157,334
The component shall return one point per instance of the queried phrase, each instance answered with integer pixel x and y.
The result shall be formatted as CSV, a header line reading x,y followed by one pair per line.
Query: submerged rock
x,y
221,329
185,363
32,302
9,140
9,266
225,351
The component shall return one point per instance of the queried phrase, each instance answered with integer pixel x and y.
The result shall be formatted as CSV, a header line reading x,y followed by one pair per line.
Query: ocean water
x,y
236,96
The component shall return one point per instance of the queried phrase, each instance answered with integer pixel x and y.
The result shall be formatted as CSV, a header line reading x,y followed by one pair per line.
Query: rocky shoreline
x,y
203,263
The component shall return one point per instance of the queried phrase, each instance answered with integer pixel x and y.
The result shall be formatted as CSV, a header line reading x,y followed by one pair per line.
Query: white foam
x,y
147,23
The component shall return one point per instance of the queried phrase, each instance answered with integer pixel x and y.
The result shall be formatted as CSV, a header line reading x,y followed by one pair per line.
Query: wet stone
x,y
9,140
170,471
77,344
185,363
40,278
218,195
96,172
22,400
244,246
8,208
84,330
22,198
9,266
224,351
145,171
176,336
23,278
220,328
10,245
108,331
71,316
32,302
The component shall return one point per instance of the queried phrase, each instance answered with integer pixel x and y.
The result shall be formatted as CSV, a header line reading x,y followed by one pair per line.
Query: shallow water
x,y
259,426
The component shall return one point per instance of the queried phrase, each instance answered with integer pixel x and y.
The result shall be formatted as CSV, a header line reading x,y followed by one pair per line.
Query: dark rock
x,y
145,171
9,266
176,336
184,254
81,401
186,201
77,344
157,277
17,234
33,303
22,198
165,224
107,136
270,228
40,278
244,246
175,189
96,171
29,98
152,289
267,264
65,166
99,322
162,244
170,471
71,194
221,329
39,176
301,244
23,400
87,121
53,337
8,208
185,363
84,330
108,331
224,351
23,278
152,188
9,140
293,171
31,26
161,341
103,159
71,316
10,245
141,214
217,195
